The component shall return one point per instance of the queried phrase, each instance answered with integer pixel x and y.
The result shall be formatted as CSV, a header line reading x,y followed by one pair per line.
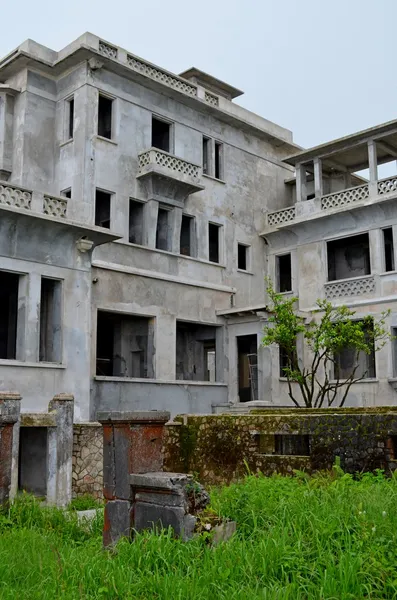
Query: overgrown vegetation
x,y
326,537
314,375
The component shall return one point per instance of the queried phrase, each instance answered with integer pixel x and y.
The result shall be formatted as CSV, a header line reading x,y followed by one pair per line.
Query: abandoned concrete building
x,y
141,211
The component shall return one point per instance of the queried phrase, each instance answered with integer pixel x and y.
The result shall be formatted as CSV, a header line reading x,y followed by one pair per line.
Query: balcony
x,y
328,177
167,178
18,197
355,286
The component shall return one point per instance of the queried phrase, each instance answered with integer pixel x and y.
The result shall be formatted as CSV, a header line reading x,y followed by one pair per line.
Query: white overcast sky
x,y
320,68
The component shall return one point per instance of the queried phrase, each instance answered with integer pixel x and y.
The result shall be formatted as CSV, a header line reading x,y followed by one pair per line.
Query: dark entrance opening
x,y
247,350
32,472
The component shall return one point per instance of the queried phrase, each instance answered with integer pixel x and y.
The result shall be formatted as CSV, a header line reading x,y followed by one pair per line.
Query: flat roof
x,y
211,82
350,152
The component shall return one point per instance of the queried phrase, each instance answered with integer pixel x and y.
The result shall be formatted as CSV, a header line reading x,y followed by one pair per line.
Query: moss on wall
x,y
220,448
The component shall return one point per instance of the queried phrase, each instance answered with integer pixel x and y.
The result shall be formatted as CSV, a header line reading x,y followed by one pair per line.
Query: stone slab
x,y
139,416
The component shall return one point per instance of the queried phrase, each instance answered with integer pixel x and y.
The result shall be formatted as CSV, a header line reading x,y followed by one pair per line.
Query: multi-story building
x,y
140,212
132,205
336,241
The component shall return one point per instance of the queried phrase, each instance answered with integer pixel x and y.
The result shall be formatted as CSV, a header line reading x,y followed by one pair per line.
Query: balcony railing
x,y
344,197
18,197
336,200
356,286
171,163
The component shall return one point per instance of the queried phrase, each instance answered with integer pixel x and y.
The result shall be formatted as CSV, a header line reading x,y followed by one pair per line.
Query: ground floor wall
x,y
87,460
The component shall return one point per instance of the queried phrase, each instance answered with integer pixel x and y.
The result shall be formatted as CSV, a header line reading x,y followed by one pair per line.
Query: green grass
x,y
298,538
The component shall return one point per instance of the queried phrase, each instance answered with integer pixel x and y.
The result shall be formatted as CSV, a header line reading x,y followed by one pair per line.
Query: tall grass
x,y
298,539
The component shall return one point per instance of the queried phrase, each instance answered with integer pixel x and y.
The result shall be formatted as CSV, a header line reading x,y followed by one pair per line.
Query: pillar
x,y
373,167
301,188
132,443
150,214
10,408
60,450
175,227
318,177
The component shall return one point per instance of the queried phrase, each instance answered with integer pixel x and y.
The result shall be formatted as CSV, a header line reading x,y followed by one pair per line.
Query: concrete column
x,y
395,246
150,213
347,177
62,439
301,187
32,330
373,167
165,344
132,443
376,251
175,226
318,177
220,354
120,215
10,407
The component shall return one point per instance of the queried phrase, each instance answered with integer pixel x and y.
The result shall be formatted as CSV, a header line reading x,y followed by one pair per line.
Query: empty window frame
x,y
124,345
195,352
206,155
214,238
388,248
188,241
394,351
161,134
135,226
50,320
69,108
218,170
284,273
348,257
9,283
243,257
284,444
67,193
349,359
105,116
163,234
102,208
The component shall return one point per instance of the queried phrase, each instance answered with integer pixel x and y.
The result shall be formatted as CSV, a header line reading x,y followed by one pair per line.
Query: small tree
x,y
330,331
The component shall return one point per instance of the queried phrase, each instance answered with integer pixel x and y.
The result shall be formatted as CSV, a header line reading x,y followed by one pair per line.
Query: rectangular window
x,y
195,352
284,273
9,283
124,345
218,160
70,118
213,242
206,155
388,246
349,359
105,106
187,242
283,361
136,222
163,230
348,257
102,209
50,320
242,257
161,134
284,444
67,193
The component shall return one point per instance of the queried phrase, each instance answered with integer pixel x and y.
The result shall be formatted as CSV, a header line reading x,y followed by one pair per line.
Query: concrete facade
x,y
141,210
171,154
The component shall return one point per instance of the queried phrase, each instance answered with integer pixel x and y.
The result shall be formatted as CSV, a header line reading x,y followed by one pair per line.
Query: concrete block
x,y
154,516
223,532
117,521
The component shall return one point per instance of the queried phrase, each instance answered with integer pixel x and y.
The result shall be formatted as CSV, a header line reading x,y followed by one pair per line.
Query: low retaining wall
x,y
220,448
87,460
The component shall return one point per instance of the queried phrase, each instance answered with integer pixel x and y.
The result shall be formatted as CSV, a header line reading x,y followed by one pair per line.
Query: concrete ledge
x,y
38,420
139,416
159,480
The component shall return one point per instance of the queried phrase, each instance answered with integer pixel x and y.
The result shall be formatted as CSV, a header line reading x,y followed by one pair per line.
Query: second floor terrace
x,y
341,175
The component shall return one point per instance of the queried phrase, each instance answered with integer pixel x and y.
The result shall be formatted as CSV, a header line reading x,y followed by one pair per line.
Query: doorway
x,y
247,351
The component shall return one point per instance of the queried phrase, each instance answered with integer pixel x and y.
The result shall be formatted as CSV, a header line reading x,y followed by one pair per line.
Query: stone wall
x,y
220,448
87,460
